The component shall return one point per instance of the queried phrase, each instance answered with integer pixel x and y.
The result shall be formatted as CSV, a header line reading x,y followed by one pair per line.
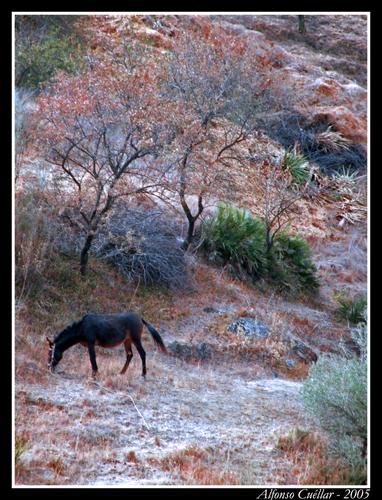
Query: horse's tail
x,y
157,338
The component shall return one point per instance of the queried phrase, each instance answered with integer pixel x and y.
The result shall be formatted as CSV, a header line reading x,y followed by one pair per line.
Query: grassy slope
x,y
215,422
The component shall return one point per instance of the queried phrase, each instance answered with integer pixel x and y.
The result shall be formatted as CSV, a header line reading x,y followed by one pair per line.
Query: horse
x,y
106,330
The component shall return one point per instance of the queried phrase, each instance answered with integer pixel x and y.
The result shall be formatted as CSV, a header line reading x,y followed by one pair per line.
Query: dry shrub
x,y
143,246
329,140
194,465
318,141
131,457
312,463
33,242
57,465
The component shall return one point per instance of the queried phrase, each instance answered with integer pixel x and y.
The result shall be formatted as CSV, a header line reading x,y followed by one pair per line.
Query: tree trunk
x,y
269,240
190,233
85,253
301,24
364,448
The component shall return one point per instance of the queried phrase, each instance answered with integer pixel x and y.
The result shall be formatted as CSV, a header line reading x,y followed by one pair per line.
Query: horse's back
x,y
109,328
112,317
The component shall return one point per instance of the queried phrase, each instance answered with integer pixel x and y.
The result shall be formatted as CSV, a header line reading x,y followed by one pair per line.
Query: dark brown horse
x,y
106,330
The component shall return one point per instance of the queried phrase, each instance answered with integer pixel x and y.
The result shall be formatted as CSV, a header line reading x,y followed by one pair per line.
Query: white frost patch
x,y
206,409
149,31
276,385
353,88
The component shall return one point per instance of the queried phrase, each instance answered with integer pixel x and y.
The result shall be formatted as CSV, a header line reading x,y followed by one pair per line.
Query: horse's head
x,y
54,355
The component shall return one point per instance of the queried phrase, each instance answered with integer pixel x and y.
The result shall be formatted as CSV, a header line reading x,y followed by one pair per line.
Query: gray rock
x,y
290,362
299,348
211,309
203,350
188,352
250,328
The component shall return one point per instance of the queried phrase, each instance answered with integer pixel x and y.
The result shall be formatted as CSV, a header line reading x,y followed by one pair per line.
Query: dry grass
x,y
64,290
194,465
172,385
312,463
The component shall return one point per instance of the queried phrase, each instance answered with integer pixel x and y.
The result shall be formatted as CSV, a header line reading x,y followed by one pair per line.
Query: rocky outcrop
x,y
248,328
189,352
298,348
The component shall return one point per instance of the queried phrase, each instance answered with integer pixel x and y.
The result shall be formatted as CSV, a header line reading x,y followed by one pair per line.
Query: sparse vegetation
x,y
33,242
44,46
317,141
335,394
128,130
20,447
313,463
298,167
351,309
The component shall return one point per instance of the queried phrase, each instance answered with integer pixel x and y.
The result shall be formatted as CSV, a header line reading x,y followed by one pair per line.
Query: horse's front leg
x,y
92,356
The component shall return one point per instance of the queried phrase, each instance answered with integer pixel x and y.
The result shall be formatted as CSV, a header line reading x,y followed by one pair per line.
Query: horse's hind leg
x,y
93,361
129,355
142,353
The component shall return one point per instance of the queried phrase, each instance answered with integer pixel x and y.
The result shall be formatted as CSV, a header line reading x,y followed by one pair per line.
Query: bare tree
x,y
276,198
102,143
216,87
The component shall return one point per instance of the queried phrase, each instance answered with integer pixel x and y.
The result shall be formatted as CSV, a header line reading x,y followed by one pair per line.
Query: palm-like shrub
x,y
291,265
297,166
351,309
234,238
345,183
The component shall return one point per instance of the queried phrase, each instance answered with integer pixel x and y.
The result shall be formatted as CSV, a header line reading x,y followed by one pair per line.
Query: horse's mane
x,y
67,332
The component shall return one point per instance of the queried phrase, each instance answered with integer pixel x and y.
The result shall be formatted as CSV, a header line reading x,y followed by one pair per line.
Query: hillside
x,y
220,406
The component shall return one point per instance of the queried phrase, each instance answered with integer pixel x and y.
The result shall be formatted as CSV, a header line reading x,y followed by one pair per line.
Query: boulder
x,y
188,352
249,328
299,348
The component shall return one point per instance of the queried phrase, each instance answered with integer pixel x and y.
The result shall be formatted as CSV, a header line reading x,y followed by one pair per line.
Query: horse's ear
x,y
49,341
